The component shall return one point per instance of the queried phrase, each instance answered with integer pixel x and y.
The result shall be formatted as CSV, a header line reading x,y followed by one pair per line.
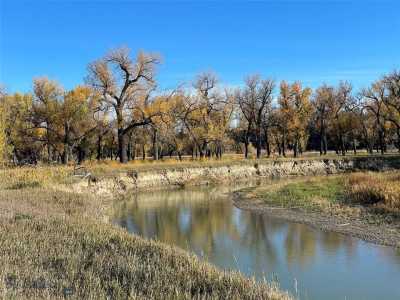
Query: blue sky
x,y
311,41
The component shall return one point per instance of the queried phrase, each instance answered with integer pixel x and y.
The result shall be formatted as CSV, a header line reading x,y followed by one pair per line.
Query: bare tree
x,y
342,101
125,86
374,101
255,102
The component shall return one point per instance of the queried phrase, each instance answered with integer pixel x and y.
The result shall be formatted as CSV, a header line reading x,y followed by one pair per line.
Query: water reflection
x,y
324,264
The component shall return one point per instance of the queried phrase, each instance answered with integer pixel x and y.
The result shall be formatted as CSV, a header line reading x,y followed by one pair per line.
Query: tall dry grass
x,y
377,189
30,177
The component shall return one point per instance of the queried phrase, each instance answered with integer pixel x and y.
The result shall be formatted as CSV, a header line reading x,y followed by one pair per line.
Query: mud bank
x,y
383,234
134,180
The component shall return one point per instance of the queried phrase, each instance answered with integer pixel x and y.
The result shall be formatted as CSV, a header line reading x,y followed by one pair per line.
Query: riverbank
x,y
111,178
57,245
105,180
363,205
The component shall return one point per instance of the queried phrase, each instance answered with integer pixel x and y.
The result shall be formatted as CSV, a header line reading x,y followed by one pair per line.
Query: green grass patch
x,y
308,194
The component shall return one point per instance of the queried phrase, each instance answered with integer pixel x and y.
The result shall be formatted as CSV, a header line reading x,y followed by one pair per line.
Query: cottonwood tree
x,y
339,107
23,143
3,140
301,105
392,101
125,86
206,114
247,116
293,116
45,107
323,96
284,115
254,101
76,118
171,128
103,129
63,118
374,101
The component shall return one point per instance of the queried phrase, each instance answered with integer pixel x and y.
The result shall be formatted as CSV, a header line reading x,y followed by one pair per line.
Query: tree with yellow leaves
x,y
3,140
23,143
392,101
294,114
206,115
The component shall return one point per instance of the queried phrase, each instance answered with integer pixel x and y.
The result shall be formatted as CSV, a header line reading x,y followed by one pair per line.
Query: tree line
x,y
118,113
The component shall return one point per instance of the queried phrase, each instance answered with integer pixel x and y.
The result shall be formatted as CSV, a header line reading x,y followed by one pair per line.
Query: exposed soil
x,y
136,180
382,234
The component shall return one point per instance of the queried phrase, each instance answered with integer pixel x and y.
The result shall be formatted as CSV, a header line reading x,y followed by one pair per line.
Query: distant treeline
x,y
118,113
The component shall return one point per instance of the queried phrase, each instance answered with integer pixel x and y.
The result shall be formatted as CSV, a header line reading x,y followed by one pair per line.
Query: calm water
x,y
316,264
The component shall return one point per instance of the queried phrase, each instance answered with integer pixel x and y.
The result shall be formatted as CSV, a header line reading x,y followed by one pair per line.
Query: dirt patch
x,y
383,234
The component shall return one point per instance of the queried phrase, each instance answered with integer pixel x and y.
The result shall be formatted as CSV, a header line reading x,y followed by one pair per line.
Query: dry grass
x,y
30,177
84,260
55,245
381,190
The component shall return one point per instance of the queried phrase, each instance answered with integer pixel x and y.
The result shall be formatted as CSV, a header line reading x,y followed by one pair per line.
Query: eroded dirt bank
x,y
232,172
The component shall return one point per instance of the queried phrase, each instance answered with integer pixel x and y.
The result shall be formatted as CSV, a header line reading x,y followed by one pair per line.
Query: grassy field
x,y
374,195
55,244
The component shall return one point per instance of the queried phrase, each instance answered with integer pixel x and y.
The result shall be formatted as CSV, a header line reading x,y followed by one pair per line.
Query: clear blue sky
x,y
311,41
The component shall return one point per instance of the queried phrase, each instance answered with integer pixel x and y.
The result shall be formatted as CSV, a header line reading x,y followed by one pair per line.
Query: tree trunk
x,y
295,148
65,157
279,148
381,141
342,146
99,147
122,146
143,151
81,154
283,144
155,145
246,148
122,138
323,141
267,145
258,141
247,141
